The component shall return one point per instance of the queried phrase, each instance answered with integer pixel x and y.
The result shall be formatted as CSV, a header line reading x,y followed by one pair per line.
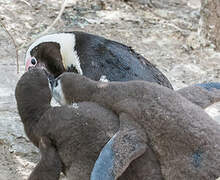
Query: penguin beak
x,y
53,82
51,79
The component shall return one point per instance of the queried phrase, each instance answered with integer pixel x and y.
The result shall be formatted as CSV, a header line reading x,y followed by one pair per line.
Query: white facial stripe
x,y
58,94
67,42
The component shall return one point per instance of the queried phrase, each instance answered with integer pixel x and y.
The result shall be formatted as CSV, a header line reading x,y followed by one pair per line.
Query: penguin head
x,y
55,53
32,93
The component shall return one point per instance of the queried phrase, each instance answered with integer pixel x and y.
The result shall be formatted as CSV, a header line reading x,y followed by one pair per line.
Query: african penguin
x,y
93,56
70,137
185,139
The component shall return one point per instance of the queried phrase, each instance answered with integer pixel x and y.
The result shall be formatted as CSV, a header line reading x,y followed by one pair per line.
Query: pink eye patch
x,y
31,62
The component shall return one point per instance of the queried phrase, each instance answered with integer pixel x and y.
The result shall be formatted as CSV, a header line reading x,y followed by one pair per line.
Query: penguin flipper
x,y
125,146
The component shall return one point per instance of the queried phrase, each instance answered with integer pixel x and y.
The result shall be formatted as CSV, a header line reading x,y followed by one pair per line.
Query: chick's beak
x,y
53,83
50,78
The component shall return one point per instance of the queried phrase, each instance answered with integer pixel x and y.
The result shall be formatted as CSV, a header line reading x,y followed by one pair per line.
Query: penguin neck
x,y
85,92
30,116
31,112
93,91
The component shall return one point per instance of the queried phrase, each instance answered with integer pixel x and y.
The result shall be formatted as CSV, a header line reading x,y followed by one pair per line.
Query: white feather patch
x,y
67,42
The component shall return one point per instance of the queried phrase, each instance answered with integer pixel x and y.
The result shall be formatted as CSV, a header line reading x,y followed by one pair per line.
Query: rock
x,y
140,1
195,4
188,71
210,21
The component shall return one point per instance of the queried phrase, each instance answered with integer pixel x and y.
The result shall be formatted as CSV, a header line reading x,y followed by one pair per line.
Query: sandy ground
x,y
166,34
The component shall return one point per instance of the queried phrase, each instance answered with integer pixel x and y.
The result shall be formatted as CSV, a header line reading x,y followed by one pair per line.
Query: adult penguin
x,y
93,56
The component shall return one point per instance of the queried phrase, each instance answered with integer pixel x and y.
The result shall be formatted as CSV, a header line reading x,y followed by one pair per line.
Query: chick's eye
x,y
33,61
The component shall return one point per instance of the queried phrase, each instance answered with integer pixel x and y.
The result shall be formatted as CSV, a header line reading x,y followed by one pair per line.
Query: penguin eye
x,y
33,61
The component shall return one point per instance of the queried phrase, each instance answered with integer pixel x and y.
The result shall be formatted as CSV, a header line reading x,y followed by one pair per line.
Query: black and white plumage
x,y
92,56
